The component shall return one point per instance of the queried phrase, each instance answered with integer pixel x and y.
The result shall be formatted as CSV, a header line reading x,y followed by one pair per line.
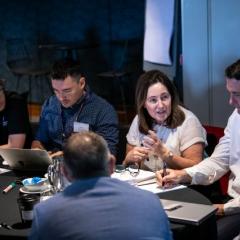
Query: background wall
x,y
101,25
209,44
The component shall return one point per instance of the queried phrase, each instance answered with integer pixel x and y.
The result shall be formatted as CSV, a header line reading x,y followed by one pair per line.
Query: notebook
x,y
26,159
187,213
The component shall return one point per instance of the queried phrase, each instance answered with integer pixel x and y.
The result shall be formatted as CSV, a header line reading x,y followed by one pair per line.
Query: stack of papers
x,y
145,180
127,177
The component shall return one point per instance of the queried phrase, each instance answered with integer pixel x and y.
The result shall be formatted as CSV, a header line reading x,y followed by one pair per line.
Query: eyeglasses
x,y
64,93
133,169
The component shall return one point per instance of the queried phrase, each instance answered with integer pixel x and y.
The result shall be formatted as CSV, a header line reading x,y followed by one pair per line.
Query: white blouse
x,y
177,140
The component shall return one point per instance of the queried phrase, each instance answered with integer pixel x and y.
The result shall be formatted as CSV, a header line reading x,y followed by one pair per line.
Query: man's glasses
x,y
64,93
133,169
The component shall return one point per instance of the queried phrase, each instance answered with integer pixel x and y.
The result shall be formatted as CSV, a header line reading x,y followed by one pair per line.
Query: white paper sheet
x,y
156,189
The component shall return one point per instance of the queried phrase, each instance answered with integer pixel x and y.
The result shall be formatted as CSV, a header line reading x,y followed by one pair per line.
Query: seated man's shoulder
x,y
51,104
100,103
52,203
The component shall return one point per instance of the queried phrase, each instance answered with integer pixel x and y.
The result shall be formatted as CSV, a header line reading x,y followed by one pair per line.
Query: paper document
x,y
126,176
154,187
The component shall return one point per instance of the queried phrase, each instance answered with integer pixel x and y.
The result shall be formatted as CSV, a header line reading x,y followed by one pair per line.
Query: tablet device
x,y
26,159
187,213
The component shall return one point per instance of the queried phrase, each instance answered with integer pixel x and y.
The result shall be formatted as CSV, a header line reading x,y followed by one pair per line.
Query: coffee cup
x,y
26,203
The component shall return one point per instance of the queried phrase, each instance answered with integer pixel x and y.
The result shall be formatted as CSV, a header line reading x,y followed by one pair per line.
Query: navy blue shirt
x,y
57,123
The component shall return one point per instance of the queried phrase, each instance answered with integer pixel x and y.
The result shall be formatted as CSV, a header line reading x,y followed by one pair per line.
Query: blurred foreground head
x,y
86,155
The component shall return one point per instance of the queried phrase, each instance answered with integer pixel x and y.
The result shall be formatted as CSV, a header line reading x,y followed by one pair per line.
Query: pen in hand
x,y
9,187
164,173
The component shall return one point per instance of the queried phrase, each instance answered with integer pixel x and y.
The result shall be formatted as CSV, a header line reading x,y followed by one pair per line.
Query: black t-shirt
x,y
14,119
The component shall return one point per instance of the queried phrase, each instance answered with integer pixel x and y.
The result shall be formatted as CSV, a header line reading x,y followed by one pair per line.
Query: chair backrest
x,y
17,52
213,136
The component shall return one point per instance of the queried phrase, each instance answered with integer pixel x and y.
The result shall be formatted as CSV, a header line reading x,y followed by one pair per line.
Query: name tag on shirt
x,y
79,127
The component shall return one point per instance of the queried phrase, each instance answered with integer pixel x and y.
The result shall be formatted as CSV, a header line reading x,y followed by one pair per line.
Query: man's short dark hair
x,y
86,155
233,71
65,67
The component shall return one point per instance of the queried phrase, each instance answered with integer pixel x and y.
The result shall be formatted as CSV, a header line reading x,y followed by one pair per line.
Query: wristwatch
x,y
170,155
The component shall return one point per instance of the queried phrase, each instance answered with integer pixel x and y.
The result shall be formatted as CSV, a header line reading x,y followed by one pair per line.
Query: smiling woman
x,y
163,131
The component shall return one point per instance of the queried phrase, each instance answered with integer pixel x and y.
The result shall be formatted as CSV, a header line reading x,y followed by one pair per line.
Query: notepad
x,y
187,213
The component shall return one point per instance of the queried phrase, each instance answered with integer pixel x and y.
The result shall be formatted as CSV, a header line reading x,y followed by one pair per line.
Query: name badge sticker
x,y
79,127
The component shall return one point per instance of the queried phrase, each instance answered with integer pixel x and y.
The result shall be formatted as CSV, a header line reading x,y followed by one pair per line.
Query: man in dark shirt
x,y
74,108
15,130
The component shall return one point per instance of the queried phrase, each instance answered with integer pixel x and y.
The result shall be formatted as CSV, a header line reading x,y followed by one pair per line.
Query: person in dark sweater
x,y
15,128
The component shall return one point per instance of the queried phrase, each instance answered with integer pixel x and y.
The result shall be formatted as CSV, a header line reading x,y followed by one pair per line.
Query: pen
x,y
164,173
9,187
4,225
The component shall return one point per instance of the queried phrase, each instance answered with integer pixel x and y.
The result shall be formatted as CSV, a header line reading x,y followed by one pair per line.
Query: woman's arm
x,y
15,141
189,157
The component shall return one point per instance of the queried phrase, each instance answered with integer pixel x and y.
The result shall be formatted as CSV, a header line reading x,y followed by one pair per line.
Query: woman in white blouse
x,y
163,131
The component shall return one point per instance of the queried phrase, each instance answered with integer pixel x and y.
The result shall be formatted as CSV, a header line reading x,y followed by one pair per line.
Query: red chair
x,y
213,136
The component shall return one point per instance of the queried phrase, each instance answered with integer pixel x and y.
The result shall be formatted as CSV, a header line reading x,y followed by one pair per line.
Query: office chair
x,y
22,65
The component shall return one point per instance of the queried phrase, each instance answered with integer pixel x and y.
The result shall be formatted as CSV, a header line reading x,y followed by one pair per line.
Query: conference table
x,y
10,214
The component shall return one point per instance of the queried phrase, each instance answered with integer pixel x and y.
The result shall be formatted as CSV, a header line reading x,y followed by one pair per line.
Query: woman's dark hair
x,y
146,80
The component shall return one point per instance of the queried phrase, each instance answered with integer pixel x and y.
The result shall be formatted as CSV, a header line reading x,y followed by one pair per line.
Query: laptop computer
x,y
187,213
26,159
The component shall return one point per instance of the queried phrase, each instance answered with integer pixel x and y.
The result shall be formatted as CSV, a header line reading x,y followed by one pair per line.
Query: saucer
x,y
35,184
25,190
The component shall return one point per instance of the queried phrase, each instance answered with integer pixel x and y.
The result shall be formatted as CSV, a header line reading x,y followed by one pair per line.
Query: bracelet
x,y
169,156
